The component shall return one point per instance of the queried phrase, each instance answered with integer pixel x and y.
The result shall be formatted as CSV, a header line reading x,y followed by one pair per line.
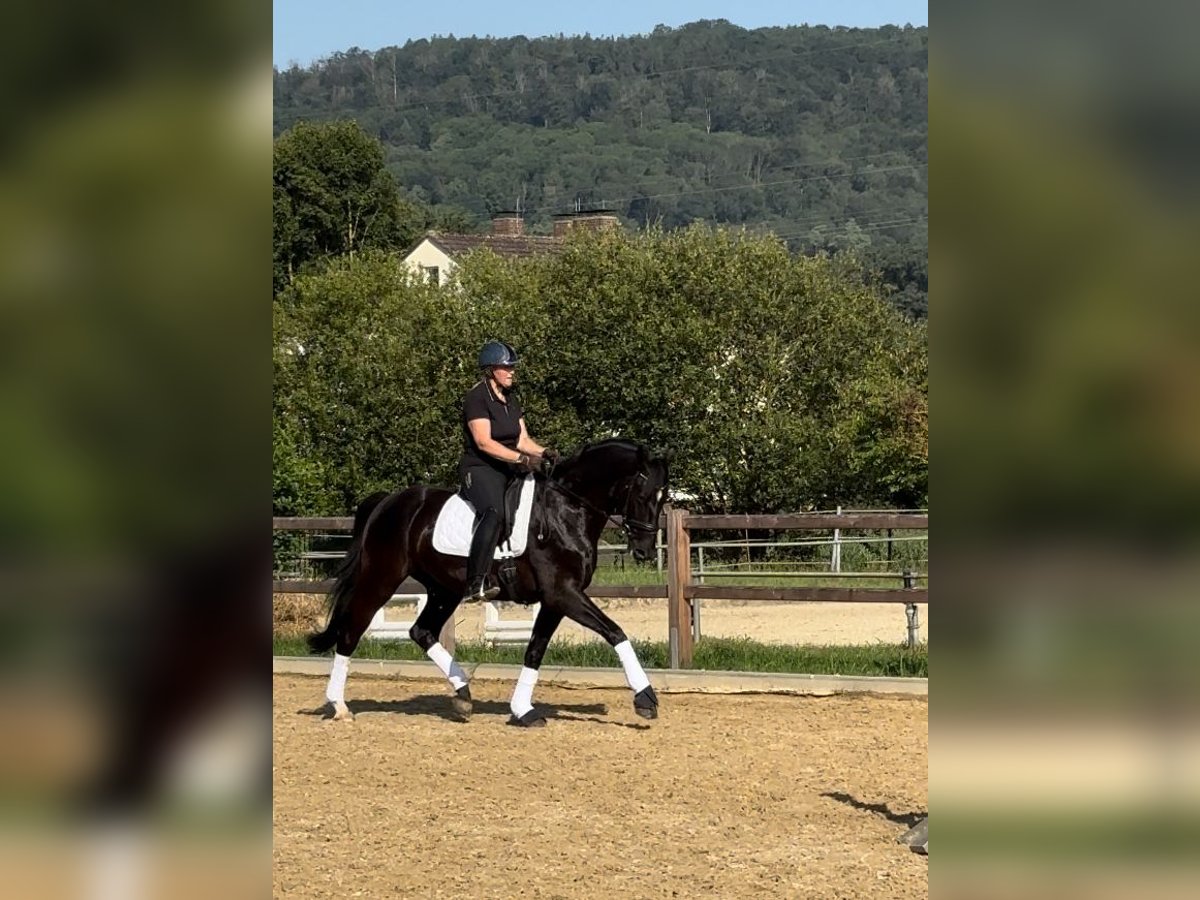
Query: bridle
x,y
628,525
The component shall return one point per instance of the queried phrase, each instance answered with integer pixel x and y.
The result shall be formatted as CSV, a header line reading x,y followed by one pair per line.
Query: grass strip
x,y
712,654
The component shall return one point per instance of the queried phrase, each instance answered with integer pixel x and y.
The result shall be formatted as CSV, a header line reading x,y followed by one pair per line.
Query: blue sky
x,y
306,30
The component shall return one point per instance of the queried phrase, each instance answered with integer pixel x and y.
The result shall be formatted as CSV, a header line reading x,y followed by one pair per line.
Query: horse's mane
x,y
604,444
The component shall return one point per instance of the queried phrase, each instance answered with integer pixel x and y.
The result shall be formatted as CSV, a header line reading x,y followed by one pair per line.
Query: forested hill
x,y
818,134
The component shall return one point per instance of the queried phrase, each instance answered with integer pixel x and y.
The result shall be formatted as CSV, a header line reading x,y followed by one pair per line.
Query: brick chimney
x,y
596,221
593,221
508,224
563,223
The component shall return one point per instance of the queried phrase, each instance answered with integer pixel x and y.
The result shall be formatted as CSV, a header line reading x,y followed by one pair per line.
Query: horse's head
x,y
645,491
621,478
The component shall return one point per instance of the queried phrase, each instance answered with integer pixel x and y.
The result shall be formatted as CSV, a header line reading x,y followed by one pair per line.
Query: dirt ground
x,y
721,796
790,623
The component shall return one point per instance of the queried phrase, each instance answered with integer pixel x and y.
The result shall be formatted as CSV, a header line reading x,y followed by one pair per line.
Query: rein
x,y
627,524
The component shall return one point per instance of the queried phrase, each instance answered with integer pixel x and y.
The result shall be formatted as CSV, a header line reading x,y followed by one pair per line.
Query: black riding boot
x,y
483,548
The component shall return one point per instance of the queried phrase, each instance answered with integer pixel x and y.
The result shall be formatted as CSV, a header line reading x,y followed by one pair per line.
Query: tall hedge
x,y
780,382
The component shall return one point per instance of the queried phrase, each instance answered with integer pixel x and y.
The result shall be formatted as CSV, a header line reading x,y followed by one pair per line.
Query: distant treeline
x,y
817,134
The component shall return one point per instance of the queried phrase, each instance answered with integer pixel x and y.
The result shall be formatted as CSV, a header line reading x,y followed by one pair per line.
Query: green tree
x,y
333,195
369,364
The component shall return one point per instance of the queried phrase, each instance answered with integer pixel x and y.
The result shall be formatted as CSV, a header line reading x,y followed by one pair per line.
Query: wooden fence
x,y
681,590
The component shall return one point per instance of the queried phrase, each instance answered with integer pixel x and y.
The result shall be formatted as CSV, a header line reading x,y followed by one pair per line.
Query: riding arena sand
x,y
727,796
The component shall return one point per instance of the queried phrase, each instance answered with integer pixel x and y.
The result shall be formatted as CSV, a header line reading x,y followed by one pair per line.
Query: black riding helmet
x,y
497,353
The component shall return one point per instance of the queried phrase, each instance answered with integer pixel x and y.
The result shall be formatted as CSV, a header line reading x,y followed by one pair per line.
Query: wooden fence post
x,y
679,576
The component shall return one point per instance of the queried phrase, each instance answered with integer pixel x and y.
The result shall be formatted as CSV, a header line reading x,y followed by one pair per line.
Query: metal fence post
x,y
910,611
835,555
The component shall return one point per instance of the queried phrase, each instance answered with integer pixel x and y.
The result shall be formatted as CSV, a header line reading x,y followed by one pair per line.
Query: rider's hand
x,y
526,463
550,454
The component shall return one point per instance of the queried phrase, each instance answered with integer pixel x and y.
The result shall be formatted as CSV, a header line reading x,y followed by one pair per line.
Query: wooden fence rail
x,y
346,523
680,590
874,521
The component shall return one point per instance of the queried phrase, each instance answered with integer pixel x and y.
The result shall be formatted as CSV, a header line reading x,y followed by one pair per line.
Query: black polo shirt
x,y
505,419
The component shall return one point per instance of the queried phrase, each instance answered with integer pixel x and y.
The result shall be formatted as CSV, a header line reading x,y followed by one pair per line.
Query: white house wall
x,y
425,255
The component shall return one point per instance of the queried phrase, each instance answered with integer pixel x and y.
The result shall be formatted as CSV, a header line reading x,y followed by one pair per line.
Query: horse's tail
x,y
345,577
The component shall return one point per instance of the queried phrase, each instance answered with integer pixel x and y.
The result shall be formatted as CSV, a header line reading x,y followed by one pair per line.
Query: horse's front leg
x,y
544,626
579,607
425,632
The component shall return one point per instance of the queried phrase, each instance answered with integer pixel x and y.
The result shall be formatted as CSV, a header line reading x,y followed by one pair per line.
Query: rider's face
x,y
503,375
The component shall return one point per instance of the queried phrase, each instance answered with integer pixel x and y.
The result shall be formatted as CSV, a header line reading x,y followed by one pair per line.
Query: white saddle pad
x,y
456,522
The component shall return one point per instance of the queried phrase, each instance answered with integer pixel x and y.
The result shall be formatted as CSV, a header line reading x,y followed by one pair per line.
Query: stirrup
x,y
480,593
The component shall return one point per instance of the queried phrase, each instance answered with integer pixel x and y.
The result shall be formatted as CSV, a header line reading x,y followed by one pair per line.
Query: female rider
x,y
496,447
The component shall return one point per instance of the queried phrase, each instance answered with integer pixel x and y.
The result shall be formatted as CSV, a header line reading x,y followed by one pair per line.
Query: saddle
x,y
456,522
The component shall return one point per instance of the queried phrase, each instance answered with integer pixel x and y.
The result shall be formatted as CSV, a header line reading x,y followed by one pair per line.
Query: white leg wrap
x,y
336,691
451,669
522,698
120,862
634,674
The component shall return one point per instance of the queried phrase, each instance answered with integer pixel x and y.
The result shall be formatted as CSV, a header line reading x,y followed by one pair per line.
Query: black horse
x,y
393,539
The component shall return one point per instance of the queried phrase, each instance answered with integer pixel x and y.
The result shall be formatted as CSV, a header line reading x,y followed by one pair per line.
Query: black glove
x,y
549,453
527,463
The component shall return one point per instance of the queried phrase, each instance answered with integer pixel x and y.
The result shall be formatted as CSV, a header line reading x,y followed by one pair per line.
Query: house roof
x,y
501,244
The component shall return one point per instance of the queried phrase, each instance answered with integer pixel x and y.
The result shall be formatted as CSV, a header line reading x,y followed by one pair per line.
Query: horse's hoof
x,y
341,713
461,701
645,703
531,719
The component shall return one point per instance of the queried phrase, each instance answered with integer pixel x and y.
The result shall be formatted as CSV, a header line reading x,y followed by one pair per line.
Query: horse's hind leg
x,y
544,626
425,632
580,608
373,590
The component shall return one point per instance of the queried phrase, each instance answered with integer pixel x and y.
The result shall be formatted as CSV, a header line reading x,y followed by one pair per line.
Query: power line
x,y
845,224
843,227
830,226
823,221
820,218
742,187
771,171
802,165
